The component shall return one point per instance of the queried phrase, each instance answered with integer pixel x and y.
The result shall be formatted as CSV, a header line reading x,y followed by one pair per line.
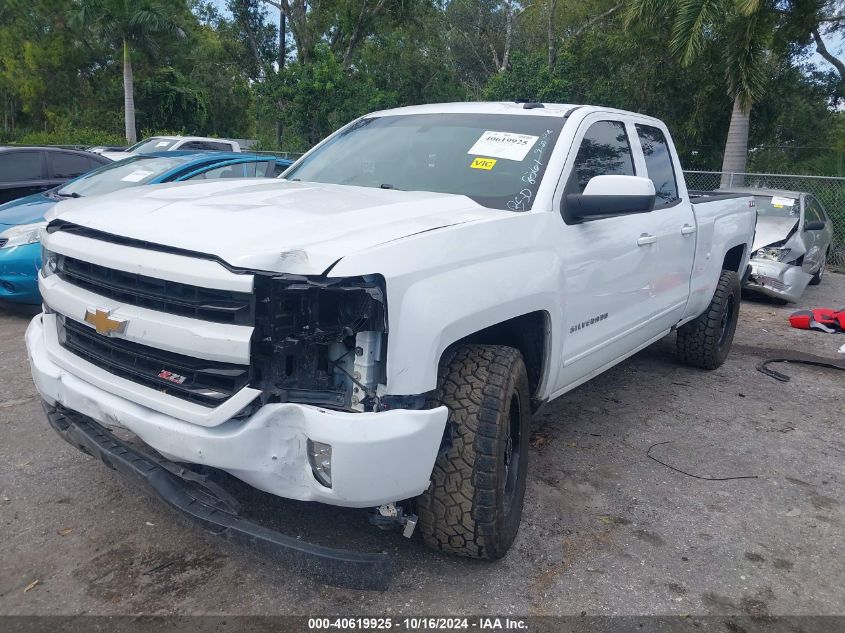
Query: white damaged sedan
x,y
791,244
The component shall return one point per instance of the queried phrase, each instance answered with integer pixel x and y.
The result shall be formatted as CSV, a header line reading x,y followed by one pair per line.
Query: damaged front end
x,y
320,341
776,268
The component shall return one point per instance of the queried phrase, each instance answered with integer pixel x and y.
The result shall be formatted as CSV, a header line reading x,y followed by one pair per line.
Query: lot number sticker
x,y
778,202
483,163
505,145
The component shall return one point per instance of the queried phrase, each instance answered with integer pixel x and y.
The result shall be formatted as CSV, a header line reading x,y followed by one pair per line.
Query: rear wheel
x,y
474,503
706,340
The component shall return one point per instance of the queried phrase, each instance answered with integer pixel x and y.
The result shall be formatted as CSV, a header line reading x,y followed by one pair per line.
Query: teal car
x,y
22,220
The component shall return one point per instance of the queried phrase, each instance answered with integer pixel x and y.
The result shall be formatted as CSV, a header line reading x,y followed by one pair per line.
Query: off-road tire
x,y
706,340
467,510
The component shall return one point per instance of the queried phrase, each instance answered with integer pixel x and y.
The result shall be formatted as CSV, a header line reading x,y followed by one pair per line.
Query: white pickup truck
x,y
375,329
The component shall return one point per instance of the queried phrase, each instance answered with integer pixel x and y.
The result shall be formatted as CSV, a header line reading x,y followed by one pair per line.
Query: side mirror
x,y
610,195
814,225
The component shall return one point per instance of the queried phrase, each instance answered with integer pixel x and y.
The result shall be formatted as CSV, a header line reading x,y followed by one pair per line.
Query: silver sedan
x,y
791,244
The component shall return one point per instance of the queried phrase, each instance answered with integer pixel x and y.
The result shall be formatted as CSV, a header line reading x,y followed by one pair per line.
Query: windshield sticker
x,y
162,143
779,203
503,145
136,176
483,163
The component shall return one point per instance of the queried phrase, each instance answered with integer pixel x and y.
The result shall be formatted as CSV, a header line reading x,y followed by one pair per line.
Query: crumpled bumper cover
x,y
776,279
212,508
376,457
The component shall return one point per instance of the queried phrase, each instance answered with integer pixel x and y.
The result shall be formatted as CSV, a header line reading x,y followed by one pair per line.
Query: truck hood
x,y
273,225
772,229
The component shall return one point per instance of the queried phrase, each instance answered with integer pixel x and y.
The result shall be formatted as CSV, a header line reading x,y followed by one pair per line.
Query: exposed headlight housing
x,y
22,235
320,458
49,262
773,253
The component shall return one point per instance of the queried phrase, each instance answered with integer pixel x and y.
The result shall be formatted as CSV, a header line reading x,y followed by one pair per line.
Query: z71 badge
x,y
170,376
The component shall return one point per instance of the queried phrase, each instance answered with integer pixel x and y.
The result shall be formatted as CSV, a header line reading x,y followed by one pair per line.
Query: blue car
x,y
22,220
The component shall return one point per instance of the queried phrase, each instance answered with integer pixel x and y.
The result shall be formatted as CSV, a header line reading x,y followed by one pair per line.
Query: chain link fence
x,y
829,190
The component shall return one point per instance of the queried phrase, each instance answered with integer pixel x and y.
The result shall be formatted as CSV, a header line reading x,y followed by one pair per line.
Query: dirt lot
x,y
606,530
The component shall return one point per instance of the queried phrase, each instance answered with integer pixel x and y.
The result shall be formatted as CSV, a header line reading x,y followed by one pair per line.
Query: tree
x,y
744,29
124,24
343,25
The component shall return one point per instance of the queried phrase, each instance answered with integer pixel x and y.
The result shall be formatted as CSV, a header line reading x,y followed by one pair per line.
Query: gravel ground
x,y
606,529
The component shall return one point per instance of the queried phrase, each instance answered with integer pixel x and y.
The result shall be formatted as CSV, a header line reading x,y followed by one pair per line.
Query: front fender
x,y
446,284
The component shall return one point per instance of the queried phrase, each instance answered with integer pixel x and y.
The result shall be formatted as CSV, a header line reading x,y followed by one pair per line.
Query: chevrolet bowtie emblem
x,y
103,322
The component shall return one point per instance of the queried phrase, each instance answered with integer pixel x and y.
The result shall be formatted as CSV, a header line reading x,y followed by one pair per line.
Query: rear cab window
x,y
658,162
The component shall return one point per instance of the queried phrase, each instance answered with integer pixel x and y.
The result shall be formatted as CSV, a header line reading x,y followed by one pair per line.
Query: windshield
x,y
154,144
777,206
497,160
136,170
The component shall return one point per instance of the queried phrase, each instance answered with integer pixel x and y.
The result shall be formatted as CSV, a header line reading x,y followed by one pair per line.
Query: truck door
x,y
607,263
674,228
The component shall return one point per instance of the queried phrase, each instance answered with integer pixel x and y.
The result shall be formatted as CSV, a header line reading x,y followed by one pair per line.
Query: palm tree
x,y
744,30
124,24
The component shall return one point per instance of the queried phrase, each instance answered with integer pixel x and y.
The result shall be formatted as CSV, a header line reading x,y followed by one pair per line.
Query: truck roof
x,y
503,107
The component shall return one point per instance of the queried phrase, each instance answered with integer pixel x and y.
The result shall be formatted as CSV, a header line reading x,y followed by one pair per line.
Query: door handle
x,y
645,239
686,229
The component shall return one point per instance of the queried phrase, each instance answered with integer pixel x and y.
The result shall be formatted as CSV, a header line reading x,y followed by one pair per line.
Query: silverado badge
x,y
103,322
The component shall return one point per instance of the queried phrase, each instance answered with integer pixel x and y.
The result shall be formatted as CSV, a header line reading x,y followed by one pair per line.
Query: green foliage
x,y
210,68
315,98
168,98
529,77
67,135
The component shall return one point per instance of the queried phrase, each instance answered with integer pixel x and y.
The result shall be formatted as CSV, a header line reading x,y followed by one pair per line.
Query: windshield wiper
x,y
386,186
69,195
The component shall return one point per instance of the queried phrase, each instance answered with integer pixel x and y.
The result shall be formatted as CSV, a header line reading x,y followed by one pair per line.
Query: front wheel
x,y
473,505
706,340
817,278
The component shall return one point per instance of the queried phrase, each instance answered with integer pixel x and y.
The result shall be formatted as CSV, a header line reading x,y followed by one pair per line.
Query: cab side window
x,y
658,162
605,150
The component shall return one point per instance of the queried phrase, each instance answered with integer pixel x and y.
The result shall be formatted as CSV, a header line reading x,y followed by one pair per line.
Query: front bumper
x,y
776,279
376,457
19,274
205,502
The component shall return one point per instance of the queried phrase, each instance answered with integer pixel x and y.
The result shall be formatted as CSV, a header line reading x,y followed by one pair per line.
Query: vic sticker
x,y
505,145
483,163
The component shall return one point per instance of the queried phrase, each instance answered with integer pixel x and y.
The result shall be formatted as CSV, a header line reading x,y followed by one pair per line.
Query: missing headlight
x,y
321,341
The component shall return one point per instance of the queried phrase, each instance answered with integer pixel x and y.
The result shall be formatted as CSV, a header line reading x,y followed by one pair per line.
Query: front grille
x,y
209,383
218,306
